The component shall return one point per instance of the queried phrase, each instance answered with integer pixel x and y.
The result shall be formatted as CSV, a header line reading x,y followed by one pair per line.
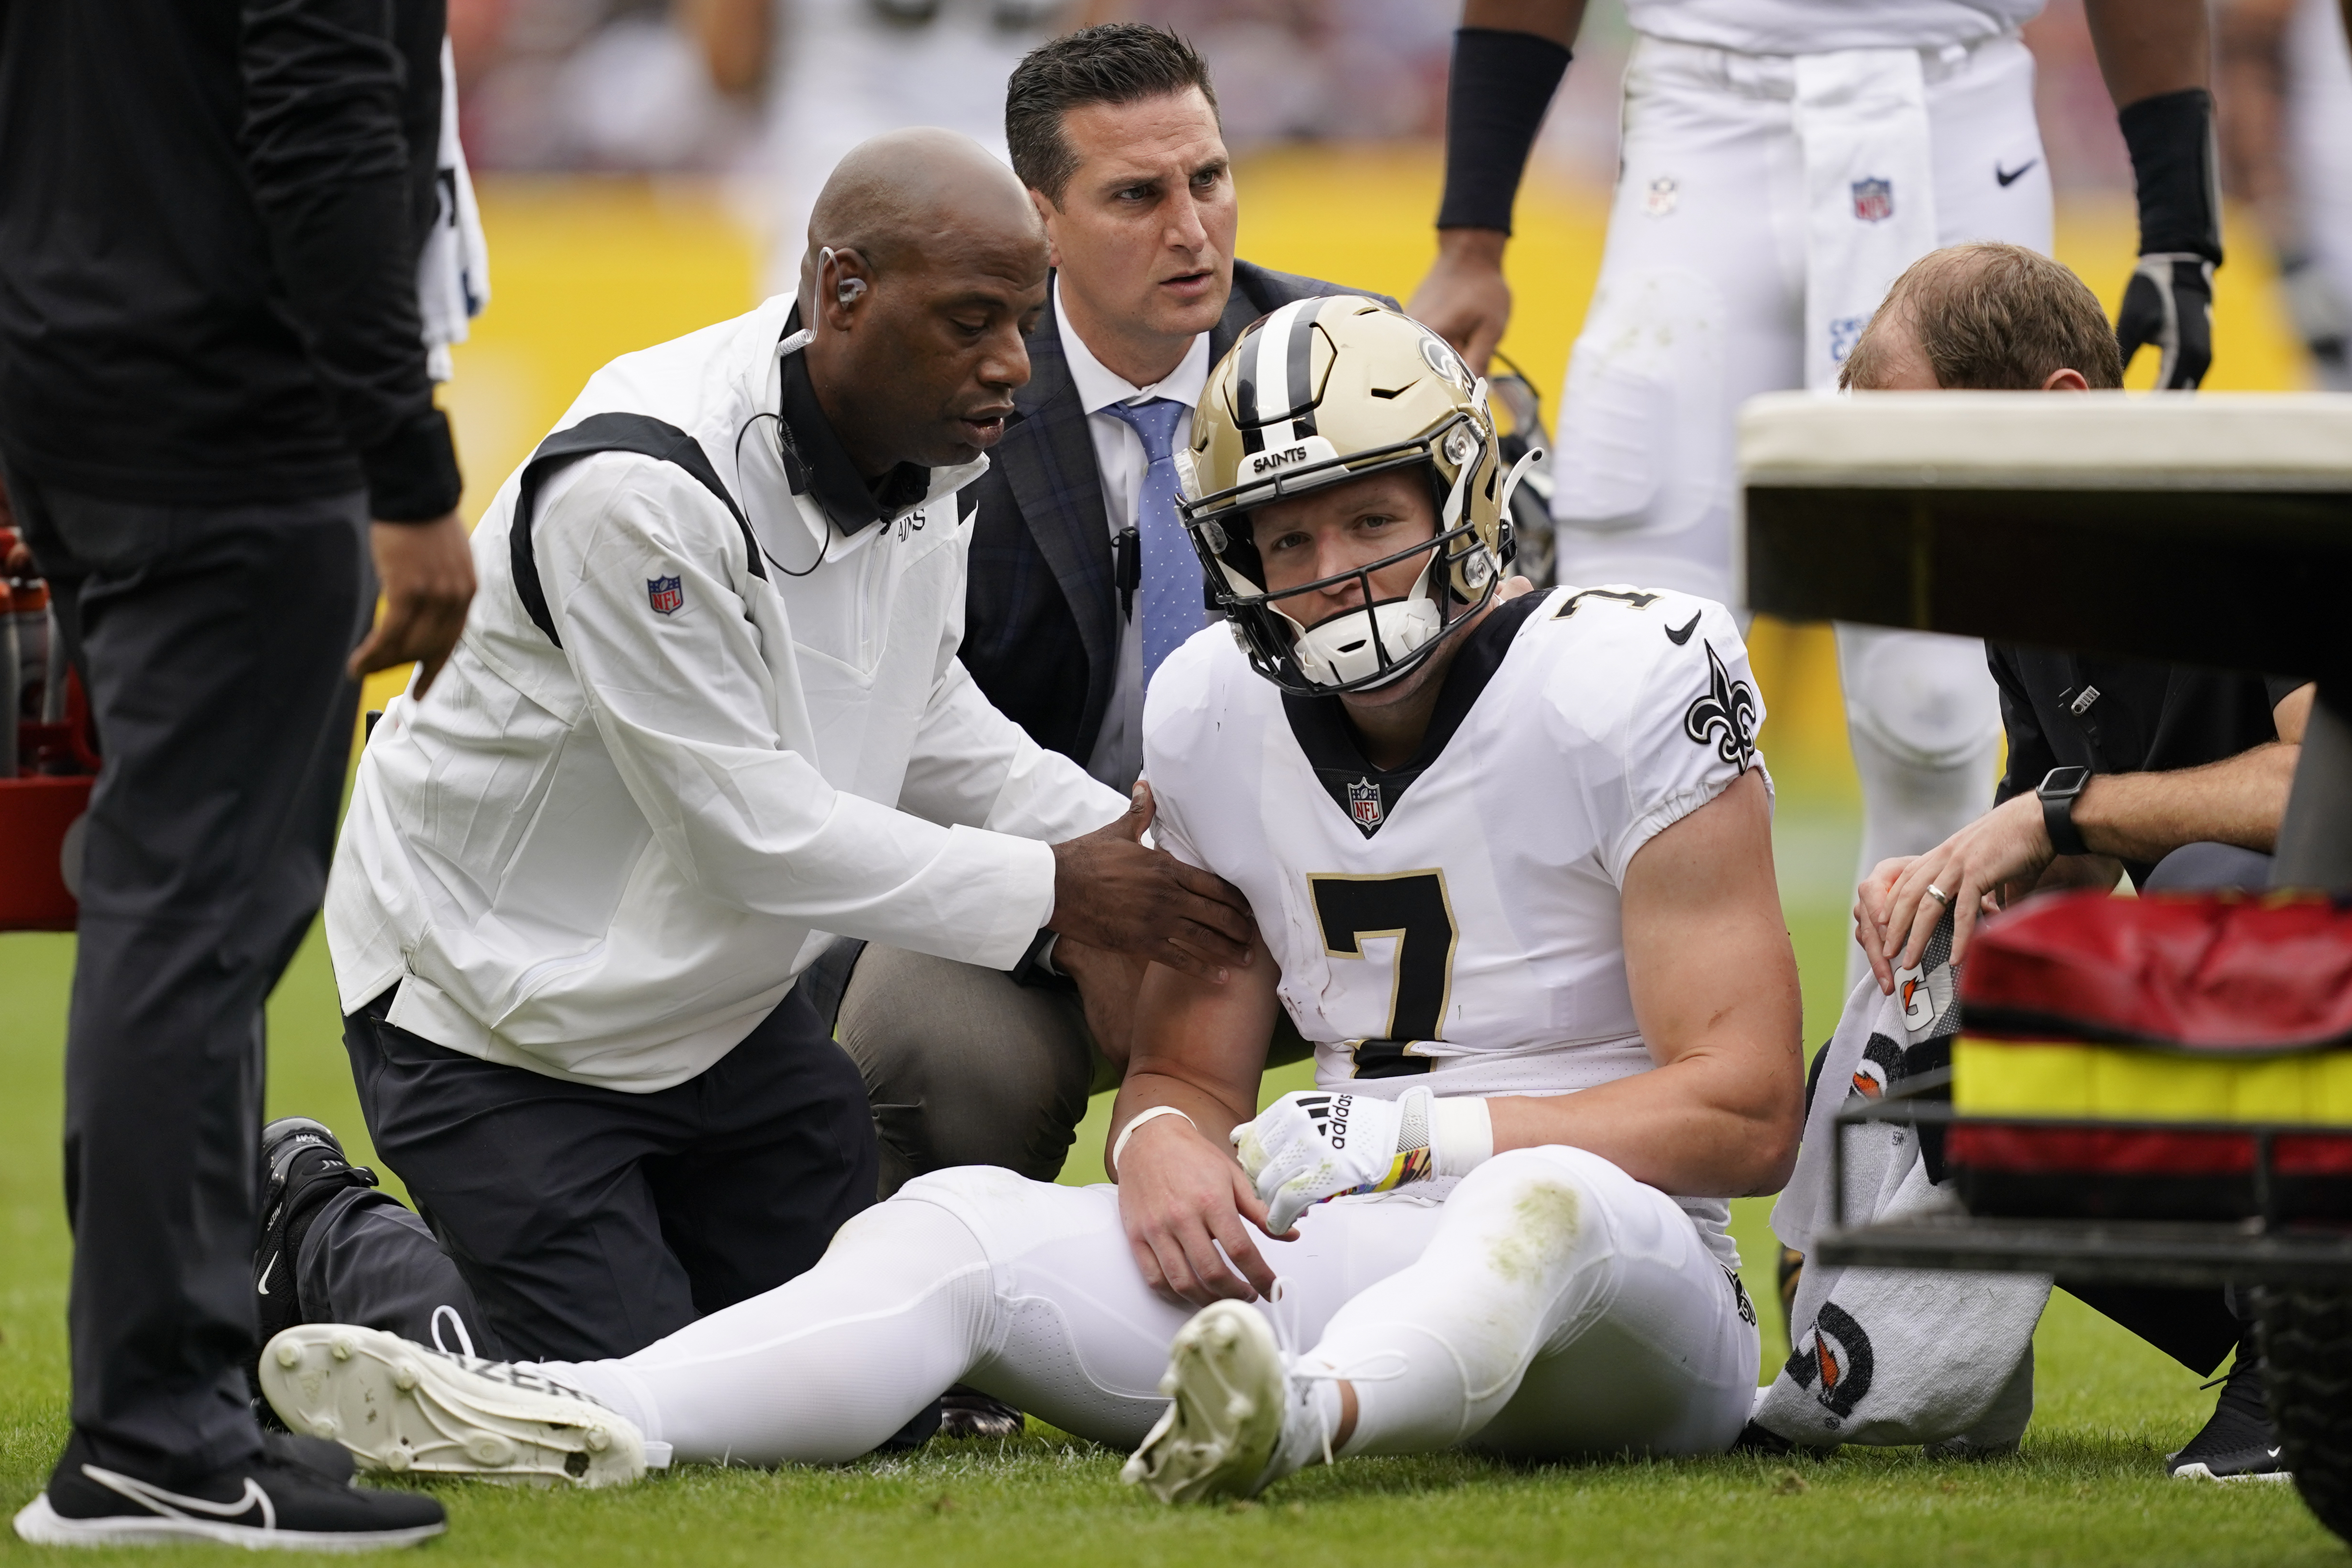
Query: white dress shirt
x,y
608,861
1118,756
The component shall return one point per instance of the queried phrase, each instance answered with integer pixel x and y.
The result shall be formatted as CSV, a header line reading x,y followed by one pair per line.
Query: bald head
x,y
926,266
907,195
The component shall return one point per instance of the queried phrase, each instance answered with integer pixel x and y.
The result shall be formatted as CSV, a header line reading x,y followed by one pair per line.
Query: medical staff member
x,y
708,715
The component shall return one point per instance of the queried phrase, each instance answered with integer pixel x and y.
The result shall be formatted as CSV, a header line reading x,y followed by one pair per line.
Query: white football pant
x,y
1740,260
1551,1305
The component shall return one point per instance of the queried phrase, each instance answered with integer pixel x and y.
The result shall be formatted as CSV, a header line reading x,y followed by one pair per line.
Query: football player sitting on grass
x,y
1552,1043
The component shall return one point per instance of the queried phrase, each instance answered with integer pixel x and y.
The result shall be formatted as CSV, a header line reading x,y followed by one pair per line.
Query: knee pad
x,y
1928,701
1643,433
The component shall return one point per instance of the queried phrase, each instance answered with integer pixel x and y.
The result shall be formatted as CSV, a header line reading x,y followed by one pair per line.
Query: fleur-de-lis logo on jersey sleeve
x,y
1725,717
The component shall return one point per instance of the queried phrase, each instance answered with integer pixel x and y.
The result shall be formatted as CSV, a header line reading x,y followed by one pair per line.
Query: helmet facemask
x,y
1376,641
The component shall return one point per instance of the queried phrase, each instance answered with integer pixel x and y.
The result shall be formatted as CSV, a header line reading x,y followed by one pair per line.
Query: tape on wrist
x,y
1461,1136
1119,1144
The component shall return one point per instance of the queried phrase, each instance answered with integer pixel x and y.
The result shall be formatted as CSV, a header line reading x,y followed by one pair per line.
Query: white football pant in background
x,y
1765,204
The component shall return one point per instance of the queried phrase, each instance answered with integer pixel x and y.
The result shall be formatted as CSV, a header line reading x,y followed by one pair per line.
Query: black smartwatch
x,y
2060,789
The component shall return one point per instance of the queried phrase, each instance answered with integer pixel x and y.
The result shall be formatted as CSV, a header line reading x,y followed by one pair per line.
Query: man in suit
x,y
1081,578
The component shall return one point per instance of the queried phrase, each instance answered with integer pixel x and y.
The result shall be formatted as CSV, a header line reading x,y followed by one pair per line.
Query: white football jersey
x,y
1459,916
1821,26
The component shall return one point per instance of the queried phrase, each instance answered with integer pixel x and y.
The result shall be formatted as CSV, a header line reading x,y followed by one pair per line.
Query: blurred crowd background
x,y
645,165
680,86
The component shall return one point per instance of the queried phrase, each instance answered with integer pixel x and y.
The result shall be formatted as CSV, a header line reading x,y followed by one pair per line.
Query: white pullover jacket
x,y
608,860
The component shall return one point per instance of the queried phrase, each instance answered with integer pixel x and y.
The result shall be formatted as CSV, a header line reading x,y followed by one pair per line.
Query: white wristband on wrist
x,y
1461,1136
1119,1144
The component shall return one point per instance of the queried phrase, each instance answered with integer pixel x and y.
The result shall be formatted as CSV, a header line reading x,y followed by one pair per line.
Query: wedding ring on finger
x,y
1939,895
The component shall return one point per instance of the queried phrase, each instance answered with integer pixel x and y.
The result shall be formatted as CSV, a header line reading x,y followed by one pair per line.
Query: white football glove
x,y
1317,1144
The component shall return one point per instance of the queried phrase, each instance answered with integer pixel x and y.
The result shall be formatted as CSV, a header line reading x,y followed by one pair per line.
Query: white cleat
x,y
405,1409
1229,1389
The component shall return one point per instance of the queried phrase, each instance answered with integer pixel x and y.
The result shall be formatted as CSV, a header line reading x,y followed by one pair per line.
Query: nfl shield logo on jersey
x,y
665,594
1364,803
1874,200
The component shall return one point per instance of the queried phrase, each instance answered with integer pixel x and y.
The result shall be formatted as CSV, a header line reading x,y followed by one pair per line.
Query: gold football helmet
x,y
1316,393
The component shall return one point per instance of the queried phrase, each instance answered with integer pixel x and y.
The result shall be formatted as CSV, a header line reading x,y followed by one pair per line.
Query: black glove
x,y
2170,303
2169,300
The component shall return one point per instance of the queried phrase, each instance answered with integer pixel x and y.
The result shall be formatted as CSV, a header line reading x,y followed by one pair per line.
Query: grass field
x,y
586,272
2088,1488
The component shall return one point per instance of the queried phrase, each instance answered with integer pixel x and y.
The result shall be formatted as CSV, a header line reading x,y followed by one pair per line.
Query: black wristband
x,y
1495,101
413,477
1036,966
2174,167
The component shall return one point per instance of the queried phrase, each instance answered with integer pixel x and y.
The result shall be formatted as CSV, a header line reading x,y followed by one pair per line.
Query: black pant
x,y
592,1222
211,641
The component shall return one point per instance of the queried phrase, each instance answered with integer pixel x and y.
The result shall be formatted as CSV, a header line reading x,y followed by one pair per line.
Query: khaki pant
x,y
965,1068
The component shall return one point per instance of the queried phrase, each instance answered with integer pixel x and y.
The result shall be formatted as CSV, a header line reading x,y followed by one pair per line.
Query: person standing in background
x,y
2286,147
836,72
214,409
1782,162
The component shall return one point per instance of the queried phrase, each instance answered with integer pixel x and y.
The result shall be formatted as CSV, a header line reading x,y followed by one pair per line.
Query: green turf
x,y
2088,1488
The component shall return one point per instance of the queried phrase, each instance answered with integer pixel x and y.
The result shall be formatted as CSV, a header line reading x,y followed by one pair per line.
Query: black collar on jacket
x,y
822,467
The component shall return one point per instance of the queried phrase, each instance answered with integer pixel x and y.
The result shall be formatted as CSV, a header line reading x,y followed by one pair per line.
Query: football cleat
x,y
406,1409
968,1413
1240,1417
2238,1442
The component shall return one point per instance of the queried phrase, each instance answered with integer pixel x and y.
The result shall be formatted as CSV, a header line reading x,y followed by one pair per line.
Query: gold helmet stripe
x,y
1273,394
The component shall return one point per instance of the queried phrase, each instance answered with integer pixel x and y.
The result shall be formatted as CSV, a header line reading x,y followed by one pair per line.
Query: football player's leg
x,y
1083,1344
1026,1291
1562,1307
1924,718
1699,305
823,1368
1922,711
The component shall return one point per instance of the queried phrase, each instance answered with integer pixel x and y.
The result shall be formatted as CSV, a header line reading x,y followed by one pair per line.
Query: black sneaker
x,y
969,1413
302,1165
2238,1443
327,1461
271,1501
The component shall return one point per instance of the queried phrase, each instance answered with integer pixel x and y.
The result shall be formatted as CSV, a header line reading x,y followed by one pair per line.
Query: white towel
x,y
453,270
1870,190
1890,1356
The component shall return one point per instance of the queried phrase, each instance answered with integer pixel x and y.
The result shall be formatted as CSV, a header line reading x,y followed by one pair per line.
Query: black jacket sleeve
x,y
2029,756
326,91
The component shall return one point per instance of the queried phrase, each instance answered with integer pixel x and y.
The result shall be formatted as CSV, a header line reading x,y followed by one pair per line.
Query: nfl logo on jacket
x,y
665,594
1874,200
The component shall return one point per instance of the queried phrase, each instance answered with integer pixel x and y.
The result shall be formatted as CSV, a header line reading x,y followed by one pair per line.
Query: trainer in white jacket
x,y
708,712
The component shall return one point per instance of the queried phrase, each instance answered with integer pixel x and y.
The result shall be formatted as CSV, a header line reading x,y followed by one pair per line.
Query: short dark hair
x,y
1993,317
1118,62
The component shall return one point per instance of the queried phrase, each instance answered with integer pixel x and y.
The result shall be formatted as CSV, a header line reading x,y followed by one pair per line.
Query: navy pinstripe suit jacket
x,y
1041,613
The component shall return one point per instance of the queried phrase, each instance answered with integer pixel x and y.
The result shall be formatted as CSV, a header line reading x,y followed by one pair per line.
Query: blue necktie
x,y
1172,571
